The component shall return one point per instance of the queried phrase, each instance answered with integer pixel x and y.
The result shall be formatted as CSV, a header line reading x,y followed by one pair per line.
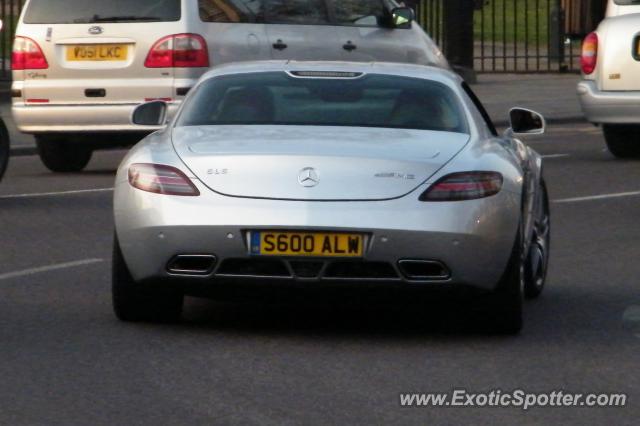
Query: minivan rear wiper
x,y
98,18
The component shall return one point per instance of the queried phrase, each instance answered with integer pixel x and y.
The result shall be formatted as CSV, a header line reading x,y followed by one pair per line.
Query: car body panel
x,y
473,238
614,9
344,159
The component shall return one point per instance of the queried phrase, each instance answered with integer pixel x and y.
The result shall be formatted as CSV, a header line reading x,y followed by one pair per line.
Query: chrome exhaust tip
x,y
423,270
192,264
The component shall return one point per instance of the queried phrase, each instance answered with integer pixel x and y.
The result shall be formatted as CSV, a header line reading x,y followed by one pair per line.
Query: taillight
x,y
27,55
161,179
589,57
179,51
464,186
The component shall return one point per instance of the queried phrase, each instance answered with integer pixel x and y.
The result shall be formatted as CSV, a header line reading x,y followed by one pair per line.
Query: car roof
x,y
389,68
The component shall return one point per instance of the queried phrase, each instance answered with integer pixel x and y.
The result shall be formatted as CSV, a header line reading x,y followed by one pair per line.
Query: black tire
x,y
507,305
623,141
4,148
134,303
537,262
61,155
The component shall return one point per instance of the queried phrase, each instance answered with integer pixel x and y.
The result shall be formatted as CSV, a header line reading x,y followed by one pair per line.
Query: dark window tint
x,y
295,12
367,13
369,101
303,12
97,11
231,10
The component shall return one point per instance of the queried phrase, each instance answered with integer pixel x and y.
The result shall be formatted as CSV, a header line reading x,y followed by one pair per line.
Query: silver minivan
x,y
81,66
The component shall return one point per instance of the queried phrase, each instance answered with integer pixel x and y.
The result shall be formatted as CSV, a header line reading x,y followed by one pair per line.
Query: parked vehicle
x,y
610,89
321,173
81,66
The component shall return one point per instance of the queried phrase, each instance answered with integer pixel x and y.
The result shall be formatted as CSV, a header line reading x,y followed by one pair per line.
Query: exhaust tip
x,y
424,269
192,264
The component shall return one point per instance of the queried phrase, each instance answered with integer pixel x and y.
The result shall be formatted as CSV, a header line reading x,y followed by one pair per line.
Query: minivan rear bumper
x,y
79,118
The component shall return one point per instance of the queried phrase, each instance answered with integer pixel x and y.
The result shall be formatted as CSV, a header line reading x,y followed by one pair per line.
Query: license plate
x,y
97,52
314,244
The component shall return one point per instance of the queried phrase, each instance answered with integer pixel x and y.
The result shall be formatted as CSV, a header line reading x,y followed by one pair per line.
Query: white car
x,y
610,89
80,67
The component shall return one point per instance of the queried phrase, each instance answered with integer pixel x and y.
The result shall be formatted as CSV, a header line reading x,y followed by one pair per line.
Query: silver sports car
x,y
316,174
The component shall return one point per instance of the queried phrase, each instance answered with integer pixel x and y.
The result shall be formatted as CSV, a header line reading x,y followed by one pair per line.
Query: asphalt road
x,y
66,360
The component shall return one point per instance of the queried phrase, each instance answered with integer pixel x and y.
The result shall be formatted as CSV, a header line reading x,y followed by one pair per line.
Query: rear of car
x,y
341,155
81,66
610,89
319,175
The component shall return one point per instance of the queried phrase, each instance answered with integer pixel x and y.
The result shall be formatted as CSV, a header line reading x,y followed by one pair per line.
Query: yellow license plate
x,y
315,244
97,52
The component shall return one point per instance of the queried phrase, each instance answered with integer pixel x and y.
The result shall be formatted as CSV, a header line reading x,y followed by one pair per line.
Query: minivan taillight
x,y
589,57
27,55
179,51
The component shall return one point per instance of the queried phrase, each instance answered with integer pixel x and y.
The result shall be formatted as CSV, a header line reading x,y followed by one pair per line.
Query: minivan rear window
x,y
303,12
264,11
101,11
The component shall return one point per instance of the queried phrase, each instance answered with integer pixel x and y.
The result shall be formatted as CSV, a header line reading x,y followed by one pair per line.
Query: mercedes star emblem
x,y
308,177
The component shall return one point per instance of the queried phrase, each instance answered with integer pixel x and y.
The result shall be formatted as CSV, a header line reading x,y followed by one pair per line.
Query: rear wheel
x,y
623,141
537,262
508,298
59,154
134,302
4,148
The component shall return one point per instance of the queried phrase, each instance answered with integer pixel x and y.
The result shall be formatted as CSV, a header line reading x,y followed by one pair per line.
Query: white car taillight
x,y
161,179
464,186
179,51
27,55
589,57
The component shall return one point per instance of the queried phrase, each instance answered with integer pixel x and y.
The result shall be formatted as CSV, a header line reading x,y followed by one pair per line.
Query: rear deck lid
x,y
314,163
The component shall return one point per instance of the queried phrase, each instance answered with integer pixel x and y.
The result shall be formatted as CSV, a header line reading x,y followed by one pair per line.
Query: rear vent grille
x,y
254,268
310,269
306,269
361,270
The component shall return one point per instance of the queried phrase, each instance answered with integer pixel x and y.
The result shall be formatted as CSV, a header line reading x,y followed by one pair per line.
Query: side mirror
x,y
150,114
526,122
401,17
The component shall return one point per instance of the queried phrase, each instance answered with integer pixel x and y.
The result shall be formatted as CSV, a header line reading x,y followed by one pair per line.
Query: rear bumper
x,y
602,107
78,118
473,239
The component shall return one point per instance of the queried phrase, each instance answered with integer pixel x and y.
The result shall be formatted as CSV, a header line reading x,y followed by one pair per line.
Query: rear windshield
x,y
96,11
366,101
304,12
